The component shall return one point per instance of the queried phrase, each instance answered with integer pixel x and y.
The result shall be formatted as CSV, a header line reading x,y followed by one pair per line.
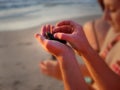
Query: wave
x,y
8,4
27,17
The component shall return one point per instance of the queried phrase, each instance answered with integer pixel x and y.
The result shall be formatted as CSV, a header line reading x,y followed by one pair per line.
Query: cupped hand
x,y
54,47
51,68
73,33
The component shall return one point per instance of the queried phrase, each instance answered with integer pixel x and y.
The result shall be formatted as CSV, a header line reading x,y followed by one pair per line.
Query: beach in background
x,y
20,14
20,53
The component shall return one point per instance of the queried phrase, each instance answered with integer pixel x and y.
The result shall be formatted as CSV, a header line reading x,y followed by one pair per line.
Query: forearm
x,y
102,74
84,70
72,77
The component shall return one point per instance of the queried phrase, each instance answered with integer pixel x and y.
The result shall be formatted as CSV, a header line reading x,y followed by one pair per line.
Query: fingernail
x,y
55,35
37,35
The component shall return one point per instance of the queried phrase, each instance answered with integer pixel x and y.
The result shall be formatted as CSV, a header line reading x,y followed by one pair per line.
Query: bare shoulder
x,y
95,31
89,32
88,26
88,29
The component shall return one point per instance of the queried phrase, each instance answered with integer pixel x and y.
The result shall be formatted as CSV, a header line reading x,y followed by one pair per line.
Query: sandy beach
x,y
20,55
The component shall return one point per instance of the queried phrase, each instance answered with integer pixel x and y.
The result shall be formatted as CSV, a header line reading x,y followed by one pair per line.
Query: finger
x,y
43,30
44,68
52,28
48,27
40,38
42,65
48,45
66,22
63,29
62,36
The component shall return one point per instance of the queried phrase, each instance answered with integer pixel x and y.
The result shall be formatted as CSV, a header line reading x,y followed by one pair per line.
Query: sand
x,y
20,55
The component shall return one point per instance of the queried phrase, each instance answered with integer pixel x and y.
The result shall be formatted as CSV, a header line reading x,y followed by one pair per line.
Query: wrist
x,y
84,50
66,56
66,53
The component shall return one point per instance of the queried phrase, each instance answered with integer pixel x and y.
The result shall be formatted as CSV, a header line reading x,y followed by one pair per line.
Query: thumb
x,y
40,38
62,36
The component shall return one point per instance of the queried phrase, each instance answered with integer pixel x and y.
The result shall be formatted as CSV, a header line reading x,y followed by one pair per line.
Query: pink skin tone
x,y
67,64
51,68
74,34
95,64
67,60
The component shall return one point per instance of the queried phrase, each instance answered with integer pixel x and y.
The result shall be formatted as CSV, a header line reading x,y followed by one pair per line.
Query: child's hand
x,y
73,33
52,46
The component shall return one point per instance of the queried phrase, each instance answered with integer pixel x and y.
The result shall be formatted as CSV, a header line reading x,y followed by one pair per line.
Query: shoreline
x,y
81,20
20,56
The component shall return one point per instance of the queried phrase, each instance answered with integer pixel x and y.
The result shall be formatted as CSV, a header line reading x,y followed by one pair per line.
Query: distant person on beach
x,y
104,68
96,30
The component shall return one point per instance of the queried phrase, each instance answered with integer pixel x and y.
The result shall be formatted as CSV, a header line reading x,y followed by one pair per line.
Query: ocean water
x,y
23,14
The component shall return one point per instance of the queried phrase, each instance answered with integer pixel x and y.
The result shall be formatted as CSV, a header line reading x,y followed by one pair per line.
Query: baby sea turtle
x,y
51,37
